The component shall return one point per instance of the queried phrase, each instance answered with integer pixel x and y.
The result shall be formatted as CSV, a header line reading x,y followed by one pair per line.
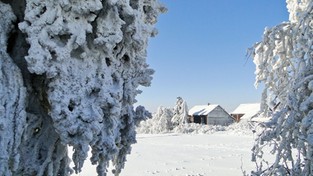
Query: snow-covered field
x,y
219,154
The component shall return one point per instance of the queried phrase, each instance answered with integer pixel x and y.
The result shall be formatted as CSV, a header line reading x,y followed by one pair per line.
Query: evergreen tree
x,y
69,73
180,112
166,119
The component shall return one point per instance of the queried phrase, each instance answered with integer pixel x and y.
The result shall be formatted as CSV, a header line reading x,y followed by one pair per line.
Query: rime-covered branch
x,y
12,99
284,63
81,63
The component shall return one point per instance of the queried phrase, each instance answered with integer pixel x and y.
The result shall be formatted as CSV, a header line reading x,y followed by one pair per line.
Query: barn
x,y
210,115
246,111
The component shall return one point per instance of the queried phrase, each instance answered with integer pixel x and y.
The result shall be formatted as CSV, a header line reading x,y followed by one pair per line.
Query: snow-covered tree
x,y
166,119
180,112
69,73
159,123
284,63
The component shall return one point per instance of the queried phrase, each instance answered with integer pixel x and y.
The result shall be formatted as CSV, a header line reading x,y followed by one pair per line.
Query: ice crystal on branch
x,y
81,62
284,63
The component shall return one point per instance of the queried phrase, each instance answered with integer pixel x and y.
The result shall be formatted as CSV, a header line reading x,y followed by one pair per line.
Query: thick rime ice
x,y
284,63
12,100
69,76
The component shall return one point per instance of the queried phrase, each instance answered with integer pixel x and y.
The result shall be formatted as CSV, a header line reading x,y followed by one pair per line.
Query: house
x,y
210,115
246,111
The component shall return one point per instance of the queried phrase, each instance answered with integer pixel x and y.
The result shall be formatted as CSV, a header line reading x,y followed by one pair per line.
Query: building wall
x,y
219,117
202,119
237,117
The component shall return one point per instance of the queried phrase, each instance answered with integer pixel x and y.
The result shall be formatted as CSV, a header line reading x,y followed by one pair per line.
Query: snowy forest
x,y
70,73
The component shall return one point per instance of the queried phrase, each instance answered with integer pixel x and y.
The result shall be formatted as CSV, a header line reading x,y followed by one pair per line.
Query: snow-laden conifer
x,y
180,112
69,76
166,119
159,123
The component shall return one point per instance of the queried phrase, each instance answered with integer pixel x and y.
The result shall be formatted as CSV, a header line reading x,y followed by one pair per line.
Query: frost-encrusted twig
x,y
284,61
84,63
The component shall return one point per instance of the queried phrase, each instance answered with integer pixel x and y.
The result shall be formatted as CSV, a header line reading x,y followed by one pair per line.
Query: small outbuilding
x,y
246,111
210,115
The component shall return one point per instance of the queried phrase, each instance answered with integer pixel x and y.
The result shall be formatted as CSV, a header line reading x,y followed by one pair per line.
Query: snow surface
x,y
224,152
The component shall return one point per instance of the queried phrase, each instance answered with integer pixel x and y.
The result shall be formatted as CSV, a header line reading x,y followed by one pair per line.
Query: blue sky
x,y
200,51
